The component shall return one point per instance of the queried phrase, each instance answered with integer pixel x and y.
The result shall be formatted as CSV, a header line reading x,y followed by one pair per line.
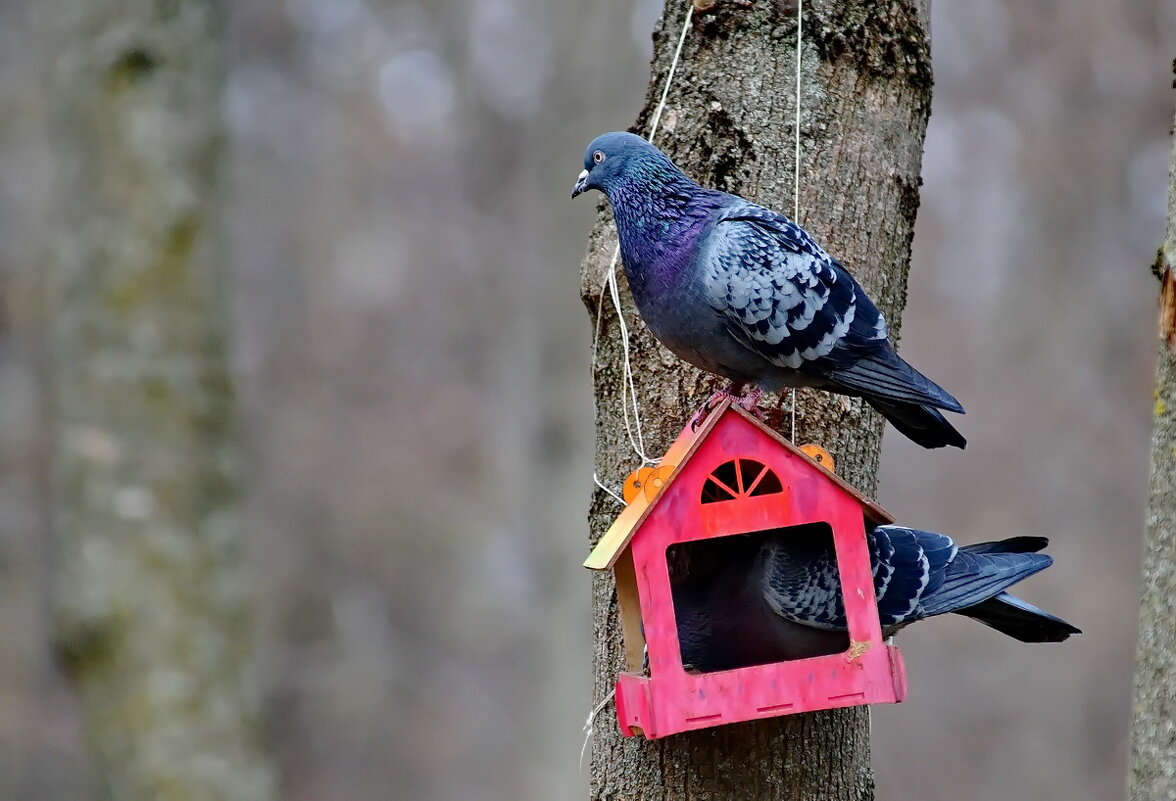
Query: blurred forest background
x,y
413,375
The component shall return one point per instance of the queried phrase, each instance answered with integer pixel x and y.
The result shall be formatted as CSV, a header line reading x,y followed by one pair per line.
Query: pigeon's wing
x,y
800,581
787,300
908,567
783,297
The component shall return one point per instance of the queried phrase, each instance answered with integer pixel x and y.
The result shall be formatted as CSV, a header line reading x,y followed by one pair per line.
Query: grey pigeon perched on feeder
x,y
745,293
769,597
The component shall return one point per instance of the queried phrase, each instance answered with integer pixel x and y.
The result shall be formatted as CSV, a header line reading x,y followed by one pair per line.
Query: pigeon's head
x,y
613,158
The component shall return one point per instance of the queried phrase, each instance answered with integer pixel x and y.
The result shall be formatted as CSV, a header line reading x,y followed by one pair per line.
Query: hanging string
x,y
629,399
796,126
611,492
590,725
796,175
661,103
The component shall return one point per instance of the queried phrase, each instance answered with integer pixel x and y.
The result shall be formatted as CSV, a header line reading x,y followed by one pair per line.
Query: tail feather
x,y
884,375
921,424
1020,620
1011,545
970,580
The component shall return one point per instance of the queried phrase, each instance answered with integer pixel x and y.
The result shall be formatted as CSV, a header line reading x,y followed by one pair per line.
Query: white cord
x,y
616,496
590,725
796,155
661,103
628,384
792,413
796,174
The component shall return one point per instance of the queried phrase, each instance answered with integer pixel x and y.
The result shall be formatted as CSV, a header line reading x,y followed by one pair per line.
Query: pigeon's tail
x,y
1011,545
883,375
922,424
979,572
1022,621
976,581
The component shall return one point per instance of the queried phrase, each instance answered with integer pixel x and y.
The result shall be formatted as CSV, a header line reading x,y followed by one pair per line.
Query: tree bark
x,y
150,598
1153,732
728,122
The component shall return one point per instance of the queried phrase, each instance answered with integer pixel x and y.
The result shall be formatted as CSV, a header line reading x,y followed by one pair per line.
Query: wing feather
x,y
782,296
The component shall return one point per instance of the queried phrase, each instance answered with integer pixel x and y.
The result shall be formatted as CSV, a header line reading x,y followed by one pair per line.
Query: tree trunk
x,y
150,595
1153,736
728,122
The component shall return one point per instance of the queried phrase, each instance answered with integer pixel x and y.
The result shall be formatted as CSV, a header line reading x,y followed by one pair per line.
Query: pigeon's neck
x,y
659,222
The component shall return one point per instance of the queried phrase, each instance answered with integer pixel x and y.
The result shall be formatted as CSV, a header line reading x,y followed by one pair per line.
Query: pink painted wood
x,y
670,700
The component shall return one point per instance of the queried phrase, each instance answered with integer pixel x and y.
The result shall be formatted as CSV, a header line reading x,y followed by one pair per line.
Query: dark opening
x,y
740,478
726,611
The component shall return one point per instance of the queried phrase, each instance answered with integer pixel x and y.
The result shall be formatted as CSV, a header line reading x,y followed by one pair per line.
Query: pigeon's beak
x,y
581,183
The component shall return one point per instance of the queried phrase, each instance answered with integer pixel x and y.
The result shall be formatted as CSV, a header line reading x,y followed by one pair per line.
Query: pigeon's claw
x,y
748,402
703,413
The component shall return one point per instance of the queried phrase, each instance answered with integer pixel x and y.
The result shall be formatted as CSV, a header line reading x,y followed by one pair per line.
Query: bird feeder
x,y
732,476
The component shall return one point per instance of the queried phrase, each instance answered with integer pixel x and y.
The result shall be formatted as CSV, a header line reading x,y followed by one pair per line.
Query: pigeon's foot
x,y
748,402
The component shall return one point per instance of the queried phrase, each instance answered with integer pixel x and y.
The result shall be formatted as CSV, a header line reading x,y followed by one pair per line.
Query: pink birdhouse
x,y
734,476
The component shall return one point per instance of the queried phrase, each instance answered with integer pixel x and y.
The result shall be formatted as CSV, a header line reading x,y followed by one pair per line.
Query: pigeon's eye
x,y
598,156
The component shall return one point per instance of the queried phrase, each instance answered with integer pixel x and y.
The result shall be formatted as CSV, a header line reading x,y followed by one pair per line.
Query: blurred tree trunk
x,y
149,598
1153,734
729,123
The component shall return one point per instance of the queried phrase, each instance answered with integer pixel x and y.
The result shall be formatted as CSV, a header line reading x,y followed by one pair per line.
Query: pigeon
x,y
774,596
745,293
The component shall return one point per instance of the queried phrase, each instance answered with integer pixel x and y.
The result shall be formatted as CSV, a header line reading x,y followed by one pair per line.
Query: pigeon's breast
x,y
672,302
662,261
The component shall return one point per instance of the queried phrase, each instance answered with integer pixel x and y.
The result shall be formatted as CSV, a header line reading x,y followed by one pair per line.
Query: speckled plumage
x,y
743,292
777,595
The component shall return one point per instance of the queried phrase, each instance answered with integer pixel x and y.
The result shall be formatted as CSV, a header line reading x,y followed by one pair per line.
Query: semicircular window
x,y
740,478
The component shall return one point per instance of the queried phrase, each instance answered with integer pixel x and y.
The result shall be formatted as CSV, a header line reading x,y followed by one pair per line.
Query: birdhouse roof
x,y
621,532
